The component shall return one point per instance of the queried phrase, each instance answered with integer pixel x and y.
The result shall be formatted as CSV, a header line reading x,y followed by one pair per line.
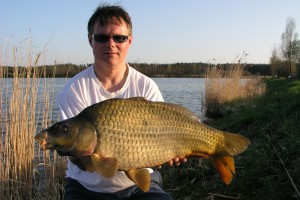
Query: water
x,y
187,92
184,91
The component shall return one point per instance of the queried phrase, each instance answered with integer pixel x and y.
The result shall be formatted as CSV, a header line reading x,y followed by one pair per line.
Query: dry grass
x,y
26,172
222,86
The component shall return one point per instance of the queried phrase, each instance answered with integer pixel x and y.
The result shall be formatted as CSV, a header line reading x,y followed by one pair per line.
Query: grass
x,y
269,169
26,172
226,85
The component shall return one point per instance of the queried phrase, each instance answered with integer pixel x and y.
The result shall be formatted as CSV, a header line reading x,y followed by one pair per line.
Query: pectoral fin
x,y
141,177
106,166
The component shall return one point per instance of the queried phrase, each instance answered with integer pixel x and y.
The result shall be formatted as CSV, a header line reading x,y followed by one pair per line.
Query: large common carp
x,y
132,134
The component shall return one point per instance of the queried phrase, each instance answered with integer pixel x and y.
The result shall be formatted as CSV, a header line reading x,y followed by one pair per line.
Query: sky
x,y
164,31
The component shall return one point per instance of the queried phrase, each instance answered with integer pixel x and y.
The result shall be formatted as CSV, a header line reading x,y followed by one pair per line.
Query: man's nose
x,y
110,42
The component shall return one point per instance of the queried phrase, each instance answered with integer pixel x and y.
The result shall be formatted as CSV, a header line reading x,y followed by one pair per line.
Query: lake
x,y
184,91
187,92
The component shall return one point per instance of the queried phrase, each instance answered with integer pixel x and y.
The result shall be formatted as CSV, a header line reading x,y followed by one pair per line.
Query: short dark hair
x,y
106,13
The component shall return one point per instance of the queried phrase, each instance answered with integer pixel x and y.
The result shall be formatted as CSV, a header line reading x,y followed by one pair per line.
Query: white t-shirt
x,y
85,89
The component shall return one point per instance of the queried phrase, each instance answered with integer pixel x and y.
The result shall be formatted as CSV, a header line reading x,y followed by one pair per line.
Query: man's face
x,y
110,53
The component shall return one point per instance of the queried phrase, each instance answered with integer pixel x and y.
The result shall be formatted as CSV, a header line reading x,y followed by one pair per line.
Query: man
x,y
110,36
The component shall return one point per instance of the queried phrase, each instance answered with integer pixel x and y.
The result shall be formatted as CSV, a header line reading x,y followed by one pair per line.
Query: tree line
x,y
151,70
196,69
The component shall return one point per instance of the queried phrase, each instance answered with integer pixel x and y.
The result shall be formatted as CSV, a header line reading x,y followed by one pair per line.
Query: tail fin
x,y
223,160
235,144
225,167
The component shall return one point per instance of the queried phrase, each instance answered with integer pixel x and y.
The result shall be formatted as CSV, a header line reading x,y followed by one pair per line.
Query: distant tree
x,y
289,43
297,51
277,65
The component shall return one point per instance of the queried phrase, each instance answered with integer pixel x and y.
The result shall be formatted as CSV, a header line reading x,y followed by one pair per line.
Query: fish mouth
x,y
43,139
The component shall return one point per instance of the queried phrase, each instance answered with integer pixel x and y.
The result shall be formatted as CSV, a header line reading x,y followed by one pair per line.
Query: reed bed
x,y
226,85
26,107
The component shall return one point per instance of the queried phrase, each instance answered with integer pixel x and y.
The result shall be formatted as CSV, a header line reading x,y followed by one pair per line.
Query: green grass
x,y
272,123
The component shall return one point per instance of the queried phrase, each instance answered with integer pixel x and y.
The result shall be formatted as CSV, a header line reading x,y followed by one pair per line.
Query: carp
x,y
132,134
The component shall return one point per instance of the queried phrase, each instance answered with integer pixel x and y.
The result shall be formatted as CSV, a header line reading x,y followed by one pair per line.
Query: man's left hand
x,y
176,161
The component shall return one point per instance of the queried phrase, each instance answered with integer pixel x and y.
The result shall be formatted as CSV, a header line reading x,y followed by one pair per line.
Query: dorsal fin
x,y
181,109
138,98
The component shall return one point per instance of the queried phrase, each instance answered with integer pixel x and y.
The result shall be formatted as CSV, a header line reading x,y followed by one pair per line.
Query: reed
x,y
226,85
26,107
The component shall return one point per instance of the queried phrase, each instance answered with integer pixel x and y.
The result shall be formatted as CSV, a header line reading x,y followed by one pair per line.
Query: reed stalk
x,y
26,106
226,85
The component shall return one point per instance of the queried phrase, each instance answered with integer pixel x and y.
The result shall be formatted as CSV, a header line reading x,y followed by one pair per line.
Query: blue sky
x,y
165,31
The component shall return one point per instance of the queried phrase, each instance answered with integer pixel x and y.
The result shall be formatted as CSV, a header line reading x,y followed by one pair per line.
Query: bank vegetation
x,y
151,70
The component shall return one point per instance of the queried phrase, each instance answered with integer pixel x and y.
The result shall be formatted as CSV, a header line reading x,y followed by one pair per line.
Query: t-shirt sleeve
x,y
69,105
153,93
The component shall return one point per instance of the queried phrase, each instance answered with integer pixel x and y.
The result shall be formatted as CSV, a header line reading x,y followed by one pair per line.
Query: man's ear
x,y
130,39
90,37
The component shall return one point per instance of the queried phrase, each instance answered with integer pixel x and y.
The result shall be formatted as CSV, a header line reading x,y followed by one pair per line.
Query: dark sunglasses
x,y
102,38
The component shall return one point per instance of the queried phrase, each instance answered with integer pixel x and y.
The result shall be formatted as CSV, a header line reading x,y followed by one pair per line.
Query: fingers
x,y
170,163
176,161
183,160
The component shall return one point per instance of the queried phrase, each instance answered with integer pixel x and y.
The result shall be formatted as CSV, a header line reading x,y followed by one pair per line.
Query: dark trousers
x,y
75,191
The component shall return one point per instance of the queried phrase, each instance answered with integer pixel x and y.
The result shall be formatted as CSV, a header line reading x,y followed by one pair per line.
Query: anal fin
x,y
141,177
106,166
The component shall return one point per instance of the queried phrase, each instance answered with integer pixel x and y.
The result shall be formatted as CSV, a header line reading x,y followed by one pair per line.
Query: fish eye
x,y
65,128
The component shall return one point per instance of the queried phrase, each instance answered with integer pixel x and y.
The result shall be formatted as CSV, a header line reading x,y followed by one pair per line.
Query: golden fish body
x,y
132,134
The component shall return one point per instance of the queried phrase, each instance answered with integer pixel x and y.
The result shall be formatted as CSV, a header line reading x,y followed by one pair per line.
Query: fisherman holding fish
x,y
115,124
110,36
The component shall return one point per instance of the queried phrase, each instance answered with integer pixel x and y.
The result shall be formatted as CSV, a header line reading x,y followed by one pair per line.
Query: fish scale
x,y
156,126
132,134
